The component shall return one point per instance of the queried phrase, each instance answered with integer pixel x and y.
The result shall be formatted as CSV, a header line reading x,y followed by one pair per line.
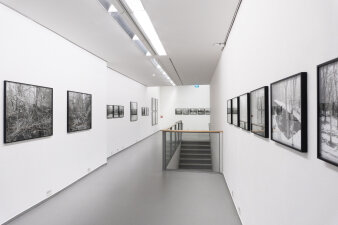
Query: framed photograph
x,y
327,112
235,111
133,111
110,111
201,111
244,110
116,111
79,111
289,112
207,111
185,111
28,112
193,111
121,111
178,111
259,114
229,111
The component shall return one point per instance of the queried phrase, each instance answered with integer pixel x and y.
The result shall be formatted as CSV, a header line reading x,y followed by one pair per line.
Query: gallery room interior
x,y
148,112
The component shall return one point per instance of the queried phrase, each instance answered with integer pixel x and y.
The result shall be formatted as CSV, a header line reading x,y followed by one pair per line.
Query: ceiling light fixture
x,y
142,18
112,9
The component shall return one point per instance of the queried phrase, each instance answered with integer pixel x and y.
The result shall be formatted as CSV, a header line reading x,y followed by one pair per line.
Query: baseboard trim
x,y
52,196
122,150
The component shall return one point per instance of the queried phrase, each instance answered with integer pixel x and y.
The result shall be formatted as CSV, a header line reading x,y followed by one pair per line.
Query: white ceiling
x,y
188,30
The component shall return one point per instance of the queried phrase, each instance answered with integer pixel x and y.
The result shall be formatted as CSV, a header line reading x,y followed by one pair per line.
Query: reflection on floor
x,y
133,190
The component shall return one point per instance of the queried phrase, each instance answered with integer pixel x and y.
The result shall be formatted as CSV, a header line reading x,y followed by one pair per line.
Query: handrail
x,y
194,131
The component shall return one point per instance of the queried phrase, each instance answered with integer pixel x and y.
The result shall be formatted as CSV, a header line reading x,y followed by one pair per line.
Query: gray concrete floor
x,y
132,189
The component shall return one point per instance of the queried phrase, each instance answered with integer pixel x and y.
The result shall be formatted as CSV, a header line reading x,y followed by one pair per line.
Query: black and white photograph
x,y
235,111
178,111
133,111
147,111
121,111
116,111
229,109
110,111
244,110
289,112
185,111
201,111
327,116
207,111
79,111
259,119
144,111
28,112
193,111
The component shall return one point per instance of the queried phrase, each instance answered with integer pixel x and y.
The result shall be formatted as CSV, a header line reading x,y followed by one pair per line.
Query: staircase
x,y
195,155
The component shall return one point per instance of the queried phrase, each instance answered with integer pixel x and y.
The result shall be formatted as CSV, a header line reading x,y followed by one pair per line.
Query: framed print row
x,y
28,111
288,107
192,111
115,111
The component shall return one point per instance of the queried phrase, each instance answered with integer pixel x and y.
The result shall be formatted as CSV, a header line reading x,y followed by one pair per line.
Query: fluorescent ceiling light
x,y
147,26
135,38
148,54
112,9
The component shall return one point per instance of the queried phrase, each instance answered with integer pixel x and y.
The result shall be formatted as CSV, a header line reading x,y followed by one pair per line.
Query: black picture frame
x,y
121,111
70,127
235,111
193,111
185,111
323,105
229,111
115,111
245,125
207,111
278,109
110,111
201,111
133,111
31,134
262,109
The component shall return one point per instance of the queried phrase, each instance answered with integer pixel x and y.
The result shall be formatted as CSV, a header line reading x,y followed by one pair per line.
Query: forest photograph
x,y
79,111
328,112
133,111
286,112
121,111
234,111
28,112
109,111
258,98
229,115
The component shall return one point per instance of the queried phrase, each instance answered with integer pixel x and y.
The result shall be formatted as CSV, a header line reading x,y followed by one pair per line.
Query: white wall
x,y
121,132
32,54
271,40
184,97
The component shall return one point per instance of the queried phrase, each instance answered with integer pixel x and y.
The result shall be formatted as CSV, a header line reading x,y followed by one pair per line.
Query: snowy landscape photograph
x,y
234,111
328,112
259,112
244,106
229,115
28,112
288,107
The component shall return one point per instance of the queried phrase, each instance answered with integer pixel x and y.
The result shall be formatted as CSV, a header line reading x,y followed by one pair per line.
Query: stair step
x,y
196,151
196,142
195,166
195,146
195,161
196,156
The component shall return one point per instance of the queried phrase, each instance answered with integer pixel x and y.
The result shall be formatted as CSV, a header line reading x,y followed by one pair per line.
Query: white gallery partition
x,y
33,170
271,40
